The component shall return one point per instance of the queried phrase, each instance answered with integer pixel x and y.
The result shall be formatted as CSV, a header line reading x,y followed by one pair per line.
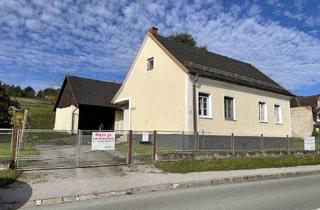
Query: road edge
x,y
156,188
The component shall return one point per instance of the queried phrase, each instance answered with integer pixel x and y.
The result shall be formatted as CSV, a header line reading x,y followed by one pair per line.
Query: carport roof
x,y
90,92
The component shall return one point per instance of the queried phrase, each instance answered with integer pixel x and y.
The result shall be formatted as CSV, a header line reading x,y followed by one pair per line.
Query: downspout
x,y
194,96
72,120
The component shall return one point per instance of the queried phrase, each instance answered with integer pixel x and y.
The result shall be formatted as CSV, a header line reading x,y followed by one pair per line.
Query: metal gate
x,y
49,149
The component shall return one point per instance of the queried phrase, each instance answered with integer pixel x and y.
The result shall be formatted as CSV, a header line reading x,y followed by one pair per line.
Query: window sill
x,y
263,121
230,120
205,117
278,123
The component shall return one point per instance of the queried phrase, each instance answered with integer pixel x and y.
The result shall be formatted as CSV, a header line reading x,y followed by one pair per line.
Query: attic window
x,y
150,64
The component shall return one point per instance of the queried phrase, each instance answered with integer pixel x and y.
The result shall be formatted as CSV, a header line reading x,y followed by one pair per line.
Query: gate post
x,y
13,157
129,159
154,148
79,142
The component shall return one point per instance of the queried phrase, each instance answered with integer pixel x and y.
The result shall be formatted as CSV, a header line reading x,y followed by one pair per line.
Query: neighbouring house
x,y
305,115
174,87
85,104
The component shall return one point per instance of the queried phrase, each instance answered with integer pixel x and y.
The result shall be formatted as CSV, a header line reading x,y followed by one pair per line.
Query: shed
x,y
85,104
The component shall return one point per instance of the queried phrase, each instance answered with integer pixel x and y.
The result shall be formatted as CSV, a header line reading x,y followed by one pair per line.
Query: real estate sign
x,y
310,143
103,141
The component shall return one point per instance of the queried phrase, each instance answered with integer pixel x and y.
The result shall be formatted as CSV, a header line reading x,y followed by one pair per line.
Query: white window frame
x,y
148,66
265,112
233,108
209,105
280,114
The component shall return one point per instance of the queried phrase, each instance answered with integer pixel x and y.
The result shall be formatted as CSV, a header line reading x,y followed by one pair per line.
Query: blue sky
x,y
41,41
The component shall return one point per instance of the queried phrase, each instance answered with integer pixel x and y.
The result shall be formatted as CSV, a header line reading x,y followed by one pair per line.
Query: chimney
x,y
153,30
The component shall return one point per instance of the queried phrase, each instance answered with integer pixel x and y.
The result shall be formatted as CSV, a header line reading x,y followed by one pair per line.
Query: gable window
x,y
262,112
228,108
277,113
204,104
150,64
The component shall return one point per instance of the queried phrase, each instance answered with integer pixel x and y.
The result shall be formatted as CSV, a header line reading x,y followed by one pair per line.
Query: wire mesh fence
x,y
5,143
62,149
142,146
205,141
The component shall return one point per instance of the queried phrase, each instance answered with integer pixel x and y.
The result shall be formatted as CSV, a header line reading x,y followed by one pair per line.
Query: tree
x,y
29,92
13,91
5,116
186,39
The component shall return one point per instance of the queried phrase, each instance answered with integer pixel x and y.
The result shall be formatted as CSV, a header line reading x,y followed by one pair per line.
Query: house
x,y
305,114
85,104
173,87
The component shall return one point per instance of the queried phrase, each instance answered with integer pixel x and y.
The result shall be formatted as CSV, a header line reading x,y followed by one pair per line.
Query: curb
x,y
155,188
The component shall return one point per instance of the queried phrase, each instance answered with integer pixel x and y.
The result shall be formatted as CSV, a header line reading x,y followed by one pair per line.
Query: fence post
x,y
129,159
202,142
261,143
13,149
196,137
154,148
183,147
288,144
232,144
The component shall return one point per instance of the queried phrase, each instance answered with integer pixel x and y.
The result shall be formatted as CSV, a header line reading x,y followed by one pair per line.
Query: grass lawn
x,y
8,176
186,166
41,113
27,149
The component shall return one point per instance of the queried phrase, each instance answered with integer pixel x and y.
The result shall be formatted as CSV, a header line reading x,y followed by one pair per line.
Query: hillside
x,y
41,113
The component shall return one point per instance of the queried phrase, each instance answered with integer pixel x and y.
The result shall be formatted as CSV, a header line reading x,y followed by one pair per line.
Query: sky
x,y
41,41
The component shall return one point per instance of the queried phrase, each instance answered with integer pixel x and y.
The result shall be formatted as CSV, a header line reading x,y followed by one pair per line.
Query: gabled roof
x,y
215,66
90,92
304,101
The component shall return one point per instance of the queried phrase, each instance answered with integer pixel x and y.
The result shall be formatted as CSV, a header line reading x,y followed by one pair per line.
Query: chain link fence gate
x,y
50,149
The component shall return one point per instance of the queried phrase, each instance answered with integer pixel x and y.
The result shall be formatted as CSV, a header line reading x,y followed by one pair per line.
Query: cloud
x,y
40,41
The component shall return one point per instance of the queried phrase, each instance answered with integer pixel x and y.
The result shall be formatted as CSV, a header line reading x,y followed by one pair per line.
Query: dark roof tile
x,y
220,67
92,92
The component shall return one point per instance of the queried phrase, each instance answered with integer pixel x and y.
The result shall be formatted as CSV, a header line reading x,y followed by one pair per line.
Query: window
x,y
277,113
203,104
228,108
262,112
150,64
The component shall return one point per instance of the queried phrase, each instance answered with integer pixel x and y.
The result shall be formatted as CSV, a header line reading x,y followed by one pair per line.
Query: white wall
x,y
63,118
302,121
246,110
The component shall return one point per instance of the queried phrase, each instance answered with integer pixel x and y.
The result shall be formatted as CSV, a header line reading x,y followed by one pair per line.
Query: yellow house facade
x,y
170,87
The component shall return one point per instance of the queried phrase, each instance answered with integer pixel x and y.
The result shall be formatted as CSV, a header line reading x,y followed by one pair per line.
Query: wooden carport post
x,y
129,159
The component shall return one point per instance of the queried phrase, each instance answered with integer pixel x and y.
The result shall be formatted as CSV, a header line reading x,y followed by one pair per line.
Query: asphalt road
x,y
289,193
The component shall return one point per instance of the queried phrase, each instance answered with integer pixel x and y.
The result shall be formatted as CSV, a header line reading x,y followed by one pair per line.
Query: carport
x,y
85,104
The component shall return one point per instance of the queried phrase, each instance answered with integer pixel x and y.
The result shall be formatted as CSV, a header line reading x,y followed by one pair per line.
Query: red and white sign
x,y
103,141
